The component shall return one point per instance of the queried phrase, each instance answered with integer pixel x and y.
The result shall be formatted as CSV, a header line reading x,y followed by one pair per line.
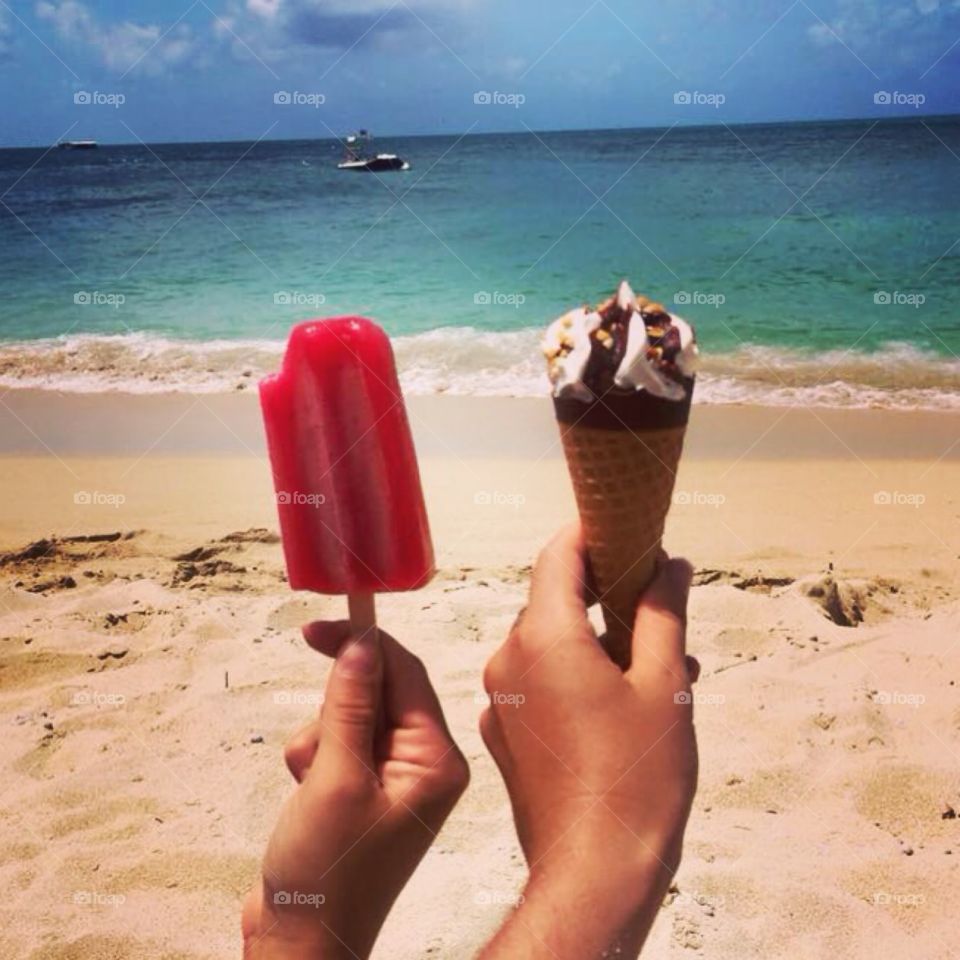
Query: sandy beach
x,y
151,669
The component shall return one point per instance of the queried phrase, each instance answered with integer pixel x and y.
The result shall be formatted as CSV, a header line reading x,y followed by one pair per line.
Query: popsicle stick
x,y
363,613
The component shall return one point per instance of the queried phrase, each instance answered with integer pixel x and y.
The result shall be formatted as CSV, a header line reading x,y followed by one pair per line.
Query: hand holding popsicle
x,y
377,775
378,771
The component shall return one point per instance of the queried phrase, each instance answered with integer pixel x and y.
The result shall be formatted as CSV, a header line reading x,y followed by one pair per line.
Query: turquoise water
x,y
775,240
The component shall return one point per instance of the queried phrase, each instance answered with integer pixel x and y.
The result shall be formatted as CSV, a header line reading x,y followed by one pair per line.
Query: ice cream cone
x,y
623,377
623,481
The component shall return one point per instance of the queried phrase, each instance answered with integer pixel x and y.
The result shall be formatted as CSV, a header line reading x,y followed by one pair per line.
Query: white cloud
x,y
890,29
272,27
121,47
267,9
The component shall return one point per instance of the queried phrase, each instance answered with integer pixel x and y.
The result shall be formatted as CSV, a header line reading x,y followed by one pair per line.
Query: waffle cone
x,y
623,480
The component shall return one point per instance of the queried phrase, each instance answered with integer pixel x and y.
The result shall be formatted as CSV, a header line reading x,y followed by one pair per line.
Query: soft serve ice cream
x,y
628,343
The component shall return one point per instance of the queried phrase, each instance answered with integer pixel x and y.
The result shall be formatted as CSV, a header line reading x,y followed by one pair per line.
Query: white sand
x,y
136,804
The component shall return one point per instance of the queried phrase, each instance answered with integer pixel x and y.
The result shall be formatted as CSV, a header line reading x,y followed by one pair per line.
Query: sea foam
x,y
468,362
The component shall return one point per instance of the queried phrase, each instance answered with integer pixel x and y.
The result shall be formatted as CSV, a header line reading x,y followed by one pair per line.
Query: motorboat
x,y
356,156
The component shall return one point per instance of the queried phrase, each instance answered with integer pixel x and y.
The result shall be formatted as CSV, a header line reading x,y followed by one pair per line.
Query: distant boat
x,y
78,144
355,156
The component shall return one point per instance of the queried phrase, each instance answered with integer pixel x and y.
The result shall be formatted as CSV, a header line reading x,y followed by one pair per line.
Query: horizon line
x,y
506,133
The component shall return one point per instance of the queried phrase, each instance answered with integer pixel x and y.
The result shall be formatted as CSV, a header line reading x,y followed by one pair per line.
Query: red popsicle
x,y
344,468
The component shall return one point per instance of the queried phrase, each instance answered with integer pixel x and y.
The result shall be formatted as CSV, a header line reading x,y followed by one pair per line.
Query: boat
x,y
78,144
356,157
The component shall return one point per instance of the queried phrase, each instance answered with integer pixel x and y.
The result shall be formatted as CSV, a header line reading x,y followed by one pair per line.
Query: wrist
x,y
603,862
632,883
270,947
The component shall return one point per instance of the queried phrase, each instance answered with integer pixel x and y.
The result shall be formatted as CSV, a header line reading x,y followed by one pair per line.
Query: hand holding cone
x,y
623,382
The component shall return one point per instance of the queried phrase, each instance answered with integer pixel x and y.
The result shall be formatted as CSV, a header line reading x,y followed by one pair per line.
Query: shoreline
x,y
42,423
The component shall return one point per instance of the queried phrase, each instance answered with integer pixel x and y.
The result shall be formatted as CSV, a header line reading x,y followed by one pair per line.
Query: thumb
x,y
660,629
557,585
352,705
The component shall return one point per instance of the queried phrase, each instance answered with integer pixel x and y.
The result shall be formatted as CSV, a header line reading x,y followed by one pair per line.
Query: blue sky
x,y
212,69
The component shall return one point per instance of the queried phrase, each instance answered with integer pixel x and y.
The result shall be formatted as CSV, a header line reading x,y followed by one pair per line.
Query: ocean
x,y
820,262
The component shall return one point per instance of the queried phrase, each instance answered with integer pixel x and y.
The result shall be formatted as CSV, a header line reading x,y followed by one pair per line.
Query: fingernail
x,y
359,656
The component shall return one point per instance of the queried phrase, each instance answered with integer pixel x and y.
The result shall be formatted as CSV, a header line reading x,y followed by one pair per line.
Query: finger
x,y
327,636
348,721
492,735
300,750
557,587
409,698
659,632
